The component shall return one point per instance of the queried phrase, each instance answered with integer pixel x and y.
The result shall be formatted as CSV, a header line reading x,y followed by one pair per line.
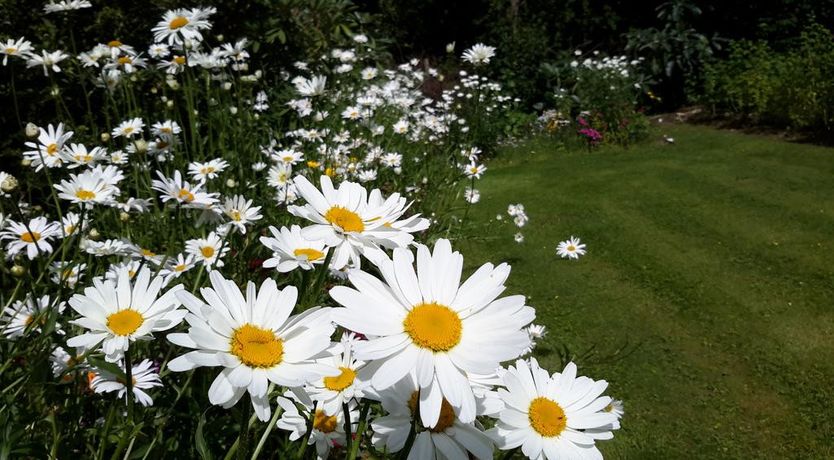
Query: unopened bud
x,y
124,217
18,270
105,137
230,183
94,234
141,145
9,183
32,130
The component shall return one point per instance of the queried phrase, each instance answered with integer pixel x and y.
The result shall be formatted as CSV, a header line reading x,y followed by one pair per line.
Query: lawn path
x,y
711,261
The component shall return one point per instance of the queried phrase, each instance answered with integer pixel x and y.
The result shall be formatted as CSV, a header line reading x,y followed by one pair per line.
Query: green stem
x,y
305,439
243,438
129,385
313,294
363,421
348,436
510,453
265,435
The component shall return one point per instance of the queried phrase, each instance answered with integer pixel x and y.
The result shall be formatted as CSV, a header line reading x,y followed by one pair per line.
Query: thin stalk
x,y
267,431
363,421
243,438
129,385
306,438
348,437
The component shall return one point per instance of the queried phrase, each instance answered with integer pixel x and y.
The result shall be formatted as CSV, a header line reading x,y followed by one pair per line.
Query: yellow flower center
x,y
323,422
179,268
206,170
447,414
166,130
114,43
179,60
125,60
310,253
185,195
347,220
52,149
288,159
235,215
178,22
207,251
571,248
256,347
85,195
313,164
125,322
128,129
341,381
147,253
433,326
547,417
11,50
69,229
30,237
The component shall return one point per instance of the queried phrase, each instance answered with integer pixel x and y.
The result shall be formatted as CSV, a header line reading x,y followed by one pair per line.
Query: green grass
x,y
706,297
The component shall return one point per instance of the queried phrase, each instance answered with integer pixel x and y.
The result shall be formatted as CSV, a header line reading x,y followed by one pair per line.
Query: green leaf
x,y
200,440
112,368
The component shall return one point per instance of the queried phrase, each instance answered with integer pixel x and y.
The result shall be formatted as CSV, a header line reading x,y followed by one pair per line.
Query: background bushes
x,y
791,87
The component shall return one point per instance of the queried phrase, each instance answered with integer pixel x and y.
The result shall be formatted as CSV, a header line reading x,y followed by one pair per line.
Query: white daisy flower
x,y
310,87
472,195
254,339
290,250
328,430
479,54
117,313
354,222
144,377
571,249
240,212
108,247
279,175
49,61
66,5
48,149
63,363
22,314
202,172
88,187
175,267
20,47
33,240
429,325
332,392
448,438
182,192
183,26
67,273
208,250
552,417
129,128
474,170
78,155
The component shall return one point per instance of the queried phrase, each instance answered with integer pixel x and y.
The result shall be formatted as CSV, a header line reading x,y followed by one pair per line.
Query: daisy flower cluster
x,y
270,253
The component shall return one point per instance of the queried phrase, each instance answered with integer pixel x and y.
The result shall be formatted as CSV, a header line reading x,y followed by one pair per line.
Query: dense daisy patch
x,y
266,264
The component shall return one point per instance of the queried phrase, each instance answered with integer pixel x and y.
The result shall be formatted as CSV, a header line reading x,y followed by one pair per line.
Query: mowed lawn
x,y
706,299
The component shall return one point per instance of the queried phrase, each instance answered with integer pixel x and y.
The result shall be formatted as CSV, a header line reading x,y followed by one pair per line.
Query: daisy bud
x,y
18,271
55,91
233,110
220,37
94,234
25,163
141,145
124,217
227,86
230,183
9,184
32,130
169,104
154,90
105,137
